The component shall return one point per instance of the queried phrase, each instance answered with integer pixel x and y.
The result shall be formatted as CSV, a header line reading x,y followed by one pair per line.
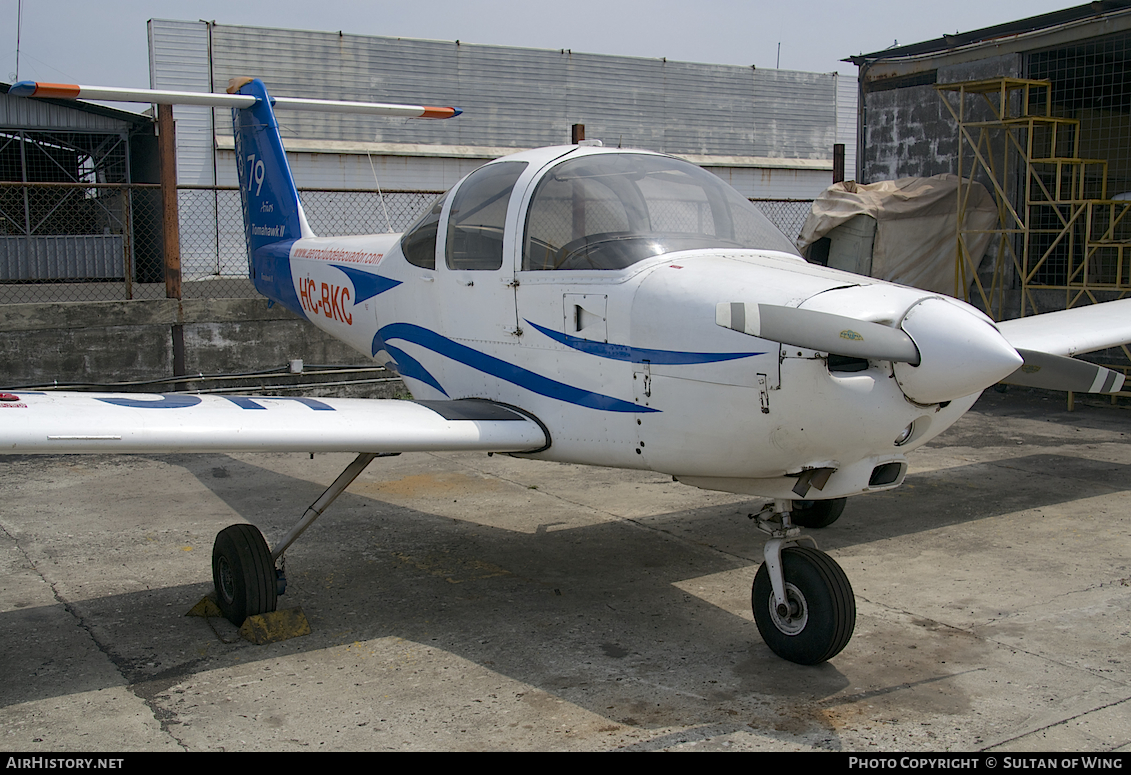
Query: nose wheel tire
x,y
243,573
820,614
817,514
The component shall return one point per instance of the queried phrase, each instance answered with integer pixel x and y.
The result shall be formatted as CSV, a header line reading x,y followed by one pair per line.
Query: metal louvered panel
x,y
521,98
794,114
178,61
62,257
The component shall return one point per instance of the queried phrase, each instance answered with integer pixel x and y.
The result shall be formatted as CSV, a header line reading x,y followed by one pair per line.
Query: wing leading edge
x,y
61,423
1072,331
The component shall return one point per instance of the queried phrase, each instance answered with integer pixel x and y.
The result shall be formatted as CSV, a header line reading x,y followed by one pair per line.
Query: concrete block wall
x,y
132,340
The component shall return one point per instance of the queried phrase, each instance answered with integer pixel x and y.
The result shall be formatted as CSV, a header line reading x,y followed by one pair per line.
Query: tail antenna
x,y
380,196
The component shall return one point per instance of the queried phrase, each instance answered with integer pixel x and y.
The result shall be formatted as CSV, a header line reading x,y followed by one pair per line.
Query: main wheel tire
x,y
243,573
816,514
822,609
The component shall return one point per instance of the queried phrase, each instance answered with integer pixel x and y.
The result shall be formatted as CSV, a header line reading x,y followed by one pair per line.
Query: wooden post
x,y
838,163
577,133
166,144
170,218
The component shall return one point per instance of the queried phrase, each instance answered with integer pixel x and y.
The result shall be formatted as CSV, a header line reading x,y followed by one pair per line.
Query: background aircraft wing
x,y
50,422
1072,331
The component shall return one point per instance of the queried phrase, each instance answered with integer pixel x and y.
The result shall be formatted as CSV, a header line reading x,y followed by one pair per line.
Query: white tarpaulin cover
x,y
916,226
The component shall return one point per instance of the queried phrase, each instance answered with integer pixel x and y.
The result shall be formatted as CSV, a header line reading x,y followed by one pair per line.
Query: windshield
x,y
608,211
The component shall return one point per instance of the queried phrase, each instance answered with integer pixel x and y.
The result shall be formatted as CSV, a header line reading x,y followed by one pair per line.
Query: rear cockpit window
x,y
478,214
419,243
609,211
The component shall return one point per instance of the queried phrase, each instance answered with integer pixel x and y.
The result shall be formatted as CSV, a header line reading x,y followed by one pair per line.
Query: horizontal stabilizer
x,y
71,91
1057,372
820,331
60,423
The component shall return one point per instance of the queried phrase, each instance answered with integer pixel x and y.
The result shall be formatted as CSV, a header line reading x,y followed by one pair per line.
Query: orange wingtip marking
x,y
440,112
67,91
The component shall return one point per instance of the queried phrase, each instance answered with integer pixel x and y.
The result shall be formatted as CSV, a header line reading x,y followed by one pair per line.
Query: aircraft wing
x,y
1072,331
50,422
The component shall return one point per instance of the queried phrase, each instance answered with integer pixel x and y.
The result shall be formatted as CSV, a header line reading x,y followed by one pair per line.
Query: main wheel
x,y
243,573
814,514
821,612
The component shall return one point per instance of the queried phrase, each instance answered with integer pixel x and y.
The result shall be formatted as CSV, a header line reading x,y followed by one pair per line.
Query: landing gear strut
x,y
243,567
802,601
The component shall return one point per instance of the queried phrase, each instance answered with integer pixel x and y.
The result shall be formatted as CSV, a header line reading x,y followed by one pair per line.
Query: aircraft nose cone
x,y
960,353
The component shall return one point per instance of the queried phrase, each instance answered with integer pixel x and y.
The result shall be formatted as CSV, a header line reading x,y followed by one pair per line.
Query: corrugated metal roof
x,y
26,113
997,32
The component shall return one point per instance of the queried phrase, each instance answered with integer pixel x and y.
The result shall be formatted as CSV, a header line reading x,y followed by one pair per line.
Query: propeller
x,y
966,355
1057,372
821,331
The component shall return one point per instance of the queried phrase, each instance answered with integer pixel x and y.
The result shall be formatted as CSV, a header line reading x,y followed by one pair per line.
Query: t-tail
x,y
273,215
272,212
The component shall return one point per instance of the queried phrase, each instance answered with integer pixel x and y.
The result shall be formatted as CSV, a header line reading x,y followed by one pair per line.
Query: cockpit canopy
x,y
610,210
599,211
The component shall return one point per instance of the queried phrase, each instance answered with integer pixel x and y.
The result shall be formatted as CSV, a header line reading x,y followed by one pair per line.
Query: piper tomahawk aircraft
x,y
595,306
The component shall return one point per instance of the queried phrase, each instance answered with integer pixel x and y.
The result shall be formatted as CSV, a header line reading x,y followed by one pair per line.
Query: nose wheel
x,y
802,601
819,613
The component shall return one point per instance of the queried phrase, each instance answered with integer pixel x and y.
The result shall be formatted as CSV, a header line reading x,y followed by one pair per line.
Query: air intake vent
x,y
888,473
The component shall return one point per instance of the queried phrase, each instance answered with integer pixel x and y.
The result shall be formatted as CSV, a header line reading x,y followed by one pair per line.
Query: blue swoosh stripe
x,y
162,402
407,366
621,352
366,285
488,364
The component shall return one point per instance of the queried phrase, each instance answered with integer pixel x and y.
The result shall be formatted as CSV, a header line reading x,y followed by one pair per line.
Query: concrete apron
x,y
468,602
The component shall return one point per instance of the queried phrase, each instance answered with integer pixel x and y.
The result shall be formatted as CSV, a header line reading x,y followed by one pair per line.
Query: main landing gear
x,y
802,601
243,567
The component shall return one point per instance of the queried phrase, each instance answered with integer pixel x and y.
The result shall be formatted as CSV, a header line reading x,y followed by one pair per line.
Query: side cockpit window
x,y
419,242
478,215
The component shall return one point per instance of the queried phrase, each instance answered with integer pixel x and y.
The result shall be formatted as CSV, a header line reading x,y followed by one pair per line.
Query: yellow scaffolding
x,y
1057,227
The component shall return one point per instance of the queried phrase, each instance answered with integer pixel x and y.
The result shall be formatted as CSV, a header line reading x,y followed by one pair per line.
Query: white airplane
x,y
596,306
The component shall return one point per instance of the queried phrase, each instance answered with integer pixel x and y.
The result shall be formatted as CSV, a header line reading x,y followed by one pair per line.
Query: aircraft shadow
x,y
590,614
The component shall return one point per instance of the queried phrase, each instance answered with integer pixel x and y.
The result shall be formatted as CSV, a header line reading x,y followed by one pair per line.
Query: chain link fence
x,y
788,215
103,242
78,241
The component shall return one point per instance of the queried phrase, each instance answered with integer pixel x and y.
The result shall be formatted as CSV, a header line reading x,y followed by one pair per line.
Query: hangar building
x,y
1037,110
770,133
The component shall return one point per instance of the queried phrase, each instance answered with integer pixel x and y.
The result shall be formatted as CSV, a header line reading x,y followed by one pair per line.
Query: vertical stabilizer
x,y
273,215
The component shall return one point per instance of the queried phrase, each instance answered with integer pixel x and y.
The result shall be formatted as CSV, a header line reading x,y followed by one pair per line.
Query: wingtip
x,y
431,112
67,91
22,89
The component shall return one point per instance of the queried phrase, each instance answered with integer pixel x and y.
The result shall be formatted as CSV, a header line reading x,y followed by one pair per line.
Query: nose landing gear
x,y
802,601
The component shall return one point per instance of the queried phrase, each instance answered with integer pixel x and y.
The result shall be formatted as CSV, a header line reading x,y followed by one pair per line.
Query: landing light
x,y
905,435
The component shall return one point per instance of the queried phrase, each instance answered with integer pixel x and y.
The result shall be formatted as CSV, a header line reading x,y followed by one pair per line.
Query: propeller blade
x,y
821,331
1057,372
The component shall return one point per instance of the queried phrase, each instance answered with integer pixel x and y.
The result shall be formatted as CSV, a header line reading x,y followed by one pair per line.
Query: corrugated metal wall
x,y
768,132
847,117
178,61
523,98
